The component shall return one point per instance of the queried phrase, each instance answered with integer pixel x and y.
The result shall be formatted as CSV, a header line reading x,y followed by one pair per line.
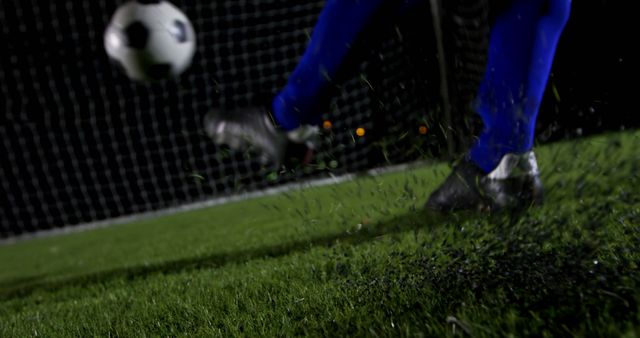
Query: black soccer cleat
x,y
514,185
254,128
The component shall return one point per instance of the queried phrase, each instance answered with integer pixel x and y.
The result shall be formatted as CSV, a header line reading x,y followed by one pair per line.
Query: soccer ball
x,y
150,40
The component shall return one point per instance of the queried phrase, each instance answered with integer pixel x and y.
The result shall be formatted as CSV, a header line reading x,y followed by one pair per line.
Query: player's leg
x,y
297,105
338,27
500,165
521,50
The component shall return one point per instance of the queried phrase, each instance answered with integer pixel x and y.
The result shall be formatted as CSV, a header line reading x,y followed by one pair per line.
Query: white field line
x,y
207,203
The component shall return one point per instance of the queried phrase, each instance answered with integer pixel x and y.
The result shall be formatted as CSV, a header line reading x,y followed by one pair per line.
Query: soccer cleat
x,y
254,128
513,185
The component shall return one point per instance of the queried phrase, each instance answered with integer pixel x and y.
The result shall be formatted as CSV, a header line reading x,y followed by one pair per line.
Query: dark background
x,y
80,143
593,72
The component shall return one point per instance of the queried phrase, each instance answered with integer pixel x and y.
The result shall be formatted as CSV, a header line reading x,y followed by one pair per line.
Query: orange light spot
x,y
327,124
423,130
360,132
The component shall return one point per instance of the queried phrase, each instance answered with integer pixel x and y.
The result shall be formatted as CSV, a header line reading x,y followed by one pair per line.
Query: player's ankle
x,y
305,133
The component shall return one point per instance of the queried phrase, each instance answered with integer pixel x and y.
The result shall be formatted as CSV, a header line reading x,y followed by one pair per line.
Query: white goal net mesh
x,y
79,142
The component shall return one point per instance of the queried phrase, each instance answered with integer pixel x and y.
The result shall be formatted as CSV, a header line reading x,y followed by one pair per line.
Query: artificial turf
x,y
358,258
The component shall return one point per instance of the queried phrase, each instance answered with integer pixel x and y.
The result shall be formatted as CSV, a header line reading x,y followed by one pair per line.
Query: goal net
x,y
81,143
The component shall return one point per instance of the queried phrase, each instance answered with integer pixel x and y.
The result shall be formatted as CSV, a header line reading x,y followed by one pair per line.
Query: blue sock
x,y
338,27
521,48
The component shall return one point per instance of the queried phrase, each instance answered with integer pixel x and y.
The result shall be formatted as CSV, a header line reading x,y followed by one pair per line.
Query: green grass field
x,y
358,258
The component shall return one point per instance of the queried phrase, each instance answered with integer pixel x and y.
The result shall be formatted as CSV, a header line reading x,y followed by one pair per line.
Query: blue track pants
x,y
522,44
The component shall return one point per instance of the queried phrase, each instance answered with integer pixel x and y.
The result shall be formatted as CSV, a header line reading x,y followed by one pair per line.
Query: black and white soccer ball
x,y
151,40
